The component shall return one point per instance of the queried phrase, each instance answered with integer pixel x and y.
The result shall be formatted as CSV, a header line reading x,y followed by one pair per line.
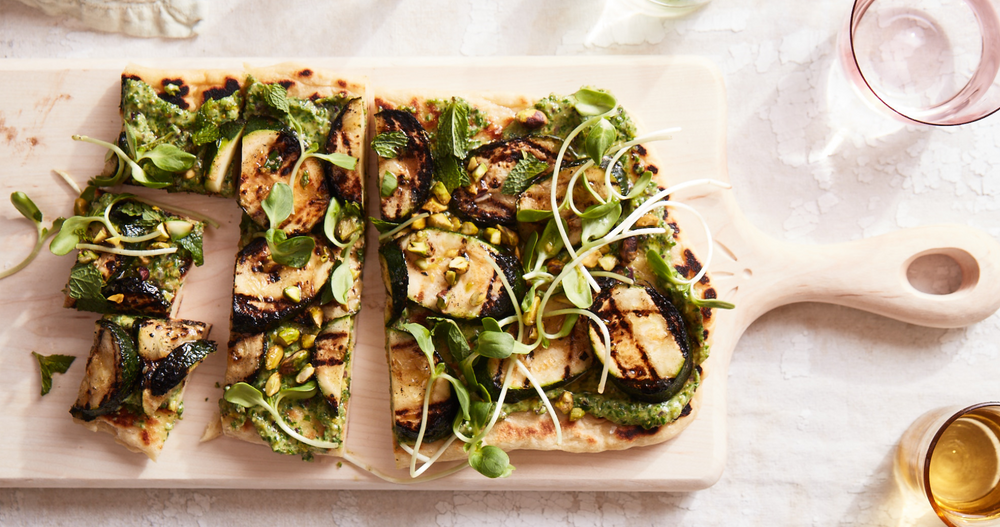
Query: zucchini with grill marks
x,y
330,358
562,362
484,201
651,358
408,384
347,137
268,158
430,278
259,300
112,371
413,167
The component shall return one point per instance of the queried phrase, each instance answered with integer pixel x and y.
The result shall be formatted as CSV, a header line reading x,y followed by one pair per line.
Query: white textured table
x,y
818,394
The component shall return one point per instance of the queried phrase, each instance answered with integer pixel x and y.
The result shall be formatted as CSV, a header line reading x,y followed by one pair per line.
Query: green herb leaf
x,y
333,212
49,364
293,252
69,235
596,227
599,139
449,171
389,144
550,243
276,96
302,391
461,392
278,205
389,184
532,215
577,289
600,209
423,338
341,282
85,283
529,254
479,414
713,303
640,185
495,344
453,129
491,461
206,134
242,394
661,268
447,329
170,158
590,102
193,244
519,178
341,160
25,206
381,225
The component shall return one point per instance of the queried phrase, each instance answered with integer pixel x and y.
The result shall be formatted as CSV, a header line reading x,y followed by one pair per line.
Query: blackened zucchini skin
x,y
395,277
637,375
175,367
413,167
115,348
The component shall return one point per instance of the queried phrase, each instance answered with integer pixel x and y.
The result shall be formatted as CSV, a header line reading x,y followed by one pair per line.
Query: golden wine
x,y
965,466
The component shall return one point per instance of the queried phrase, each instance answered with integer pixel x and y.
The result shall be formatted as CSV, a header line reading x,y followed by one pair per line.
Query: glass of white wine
x,y
952,456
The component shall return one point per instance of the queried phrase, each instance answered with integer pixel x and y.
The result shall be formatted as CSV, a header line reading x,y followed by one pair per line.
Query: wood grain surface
x,y
45,102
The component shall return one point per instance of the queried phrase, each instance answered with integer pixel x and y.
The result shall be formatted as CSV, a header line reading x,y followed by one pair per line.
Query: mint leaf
x,y
85,283
206,134
389,144
49,364
450,172
192,243
382,226
453,129
276,96
519,178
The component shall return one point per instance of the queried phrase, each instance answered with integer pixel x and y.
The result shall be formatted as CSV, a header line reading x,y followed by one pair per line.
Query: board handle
x,y
871,274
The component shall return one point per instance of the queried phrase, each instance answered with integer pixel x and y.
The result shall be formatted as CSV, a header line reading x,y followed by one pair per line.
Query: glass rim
x,y
926,475
858,11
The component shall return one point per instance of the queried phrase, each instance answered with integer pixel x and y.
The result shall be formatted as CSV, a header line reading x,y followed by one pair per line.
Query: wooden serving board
x,y
45,102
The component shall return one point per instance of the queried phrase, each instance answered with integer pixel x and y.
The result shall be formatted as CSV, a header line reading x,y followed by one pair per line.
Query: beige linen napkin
x,y
140,18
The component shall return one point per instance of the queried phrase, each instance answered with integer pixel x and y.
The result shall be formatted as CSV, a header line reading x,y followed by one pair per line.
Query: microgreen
x,y
245,395
491,461
531,215
599,139
278,204
49,364
389,144
590,102
330,219
165,157
29,210
293,252
389,184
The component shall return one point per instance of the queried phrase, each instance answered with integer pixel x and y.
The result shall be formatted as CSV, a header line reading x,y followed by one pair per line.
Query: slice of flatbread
x,y
293,328
466,199
136,373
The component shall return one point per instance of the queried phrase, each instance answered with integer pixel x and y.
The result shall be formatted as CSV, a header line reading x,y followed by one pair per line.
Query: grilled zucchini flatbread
x,y
181,129
297,286
134,384
512,326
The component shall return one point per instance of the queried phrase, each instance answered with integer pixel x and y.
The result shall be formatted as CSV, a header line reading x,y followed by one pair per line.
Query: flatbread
x,y
531,427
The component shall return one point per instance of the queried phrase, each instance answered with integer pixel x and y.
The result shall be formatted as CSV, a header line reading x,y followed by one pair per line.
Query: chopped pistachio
x,y
86,256
307,340
576,414
433,205
159,245
80,207
493,235
273,384
439,221
418,247
533,333
608,262
508,236
440,192
316,313
479,172
101,236
293,363
293,293
272,359
591,259
288,336
531,118
419,224
564,403
529,316
168,296
422,263
455,223
116,298
346,227
442,301
459,264
477,298
554,266
305,373
451,277
648,220
469,229
473,163
451,253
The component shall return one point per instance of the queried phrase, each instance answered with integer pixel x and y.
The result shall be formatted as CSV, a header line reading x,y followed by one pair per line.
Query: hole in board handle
x,y
943,271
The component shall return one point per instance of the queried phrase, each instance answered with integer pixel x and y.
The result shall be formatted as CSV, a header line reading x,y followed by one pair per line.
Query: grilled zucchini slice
x,y
413,167
112,371
226,147
269,157
562,362
651,358
428,257
408,384
486,202
330,357
258,289
347,137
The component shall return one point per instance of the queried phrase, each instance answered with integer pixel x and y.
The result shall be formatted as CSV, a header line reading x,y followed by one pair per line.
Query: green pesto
x,y
562,118
313,116
153,121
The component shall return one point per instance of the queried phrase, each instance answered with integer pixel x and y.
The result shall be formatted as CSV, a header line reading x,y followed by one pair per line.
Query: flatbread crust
x,y
529,430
